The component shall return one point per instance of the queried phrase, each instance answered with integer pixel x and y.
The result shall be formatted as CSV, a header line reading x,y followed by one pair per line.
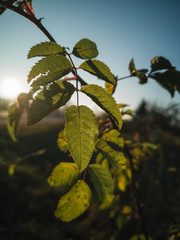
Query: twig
x,y
38,23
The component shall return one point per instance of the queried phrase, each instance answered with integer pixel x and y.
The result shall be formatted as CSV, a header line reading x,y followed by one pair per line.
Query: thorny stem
x,y
31,18
133,184
28,10
38,23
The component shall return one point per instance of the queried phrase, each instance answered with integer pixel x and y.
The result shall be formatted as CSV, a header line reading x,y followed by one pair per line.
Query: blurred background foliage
x,y
27,203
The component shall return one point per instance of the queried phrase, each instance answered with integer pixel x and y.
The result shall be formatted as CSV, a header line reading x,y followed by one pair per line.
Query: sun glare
x,y
10,88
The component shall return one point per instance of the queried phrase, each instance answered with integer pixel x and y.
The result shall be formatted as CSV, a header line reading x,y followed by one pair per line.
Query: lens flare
x,y
10,88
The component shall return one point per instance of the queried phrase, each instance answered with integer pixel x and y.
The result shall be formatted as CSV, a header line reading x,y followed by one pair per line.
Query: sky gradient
x,y
121,29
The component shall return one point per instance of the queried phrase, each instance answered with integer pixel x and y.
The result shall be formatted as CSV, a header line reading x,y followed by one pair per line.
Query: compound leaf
x,y
159,63
45,49
47,100
116,158
104,100
99,69
85,49
74,203
64,175
81,131
102,181
50,69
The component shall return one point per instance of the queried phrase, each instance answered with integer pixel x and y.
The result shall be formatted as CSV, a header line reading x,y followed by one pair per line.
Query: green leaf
x,y
122,105
45,49
47,100
114,138
139,237
116,158
141,74
170,80
64,175
159,63
74,203
81,131
110,88
102,181
100,158
85,49
120,221
62,143
128,112
104,100
50,69
14,116
132,68
15,112
99,69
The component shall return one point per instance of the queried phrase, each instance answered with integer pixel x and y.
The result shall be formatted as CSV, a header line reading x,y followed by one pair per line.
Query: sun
x,y
10,88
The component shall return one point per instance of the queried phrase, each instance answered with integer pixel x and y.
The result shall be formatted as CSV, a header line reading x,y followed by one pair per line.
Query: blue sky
x,y
121,29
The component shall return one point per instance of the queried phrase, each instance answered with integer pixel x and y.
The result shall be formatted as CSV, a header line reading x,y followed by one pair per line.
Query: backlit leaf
x,y
81,131
15,112
100,158
64,175
141,74
126,210
99,69
47,100
85,49
62,143
159,63
74,203
170,80
12,169
116,158
104,100
132,68
50,69
45,49
110,88
122,105
14,116
102,181
122,182
114,138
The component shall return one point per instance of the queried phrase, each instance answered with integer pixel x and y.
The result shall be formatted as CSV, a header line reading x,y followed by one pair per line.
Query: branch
x,y
124,78
38,23
31,18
